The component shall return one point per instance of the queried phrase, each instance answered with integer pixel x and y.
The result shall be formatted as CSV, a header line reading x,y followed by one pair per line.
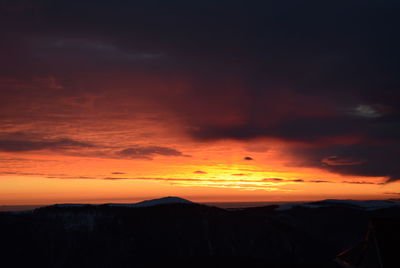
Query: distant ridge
x,y
160,201
368,205
168,200
170,231
280,206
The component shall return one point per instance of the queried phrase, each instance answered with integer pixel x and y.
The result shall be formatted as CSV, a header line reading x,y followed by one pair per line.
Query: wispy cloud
x,y
20,142
199,172
363,182
392,193
36,145
148,151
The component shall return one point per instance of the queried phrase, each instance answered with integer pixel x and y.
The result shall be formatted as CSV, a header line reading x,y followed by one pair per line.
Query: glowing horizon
x,y
204,100
49,177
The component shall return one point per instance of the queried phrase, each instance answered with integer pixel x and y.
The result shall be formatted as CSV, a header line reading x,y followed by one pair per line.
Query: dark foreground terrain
x,y
183,235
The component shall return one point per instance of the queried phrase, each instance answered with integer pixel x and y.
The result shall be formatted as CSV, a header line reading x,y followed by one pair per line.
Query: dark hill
x,y
183,235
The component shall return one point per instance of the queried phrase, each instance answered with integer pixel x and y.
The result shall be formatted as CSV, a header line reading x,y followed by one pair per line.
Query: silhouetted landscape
x,y
177,232
285,114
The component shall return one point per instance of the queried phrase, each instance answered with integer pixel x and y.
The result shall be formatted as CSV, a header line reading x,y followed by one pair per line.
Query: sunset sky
x,y
105,101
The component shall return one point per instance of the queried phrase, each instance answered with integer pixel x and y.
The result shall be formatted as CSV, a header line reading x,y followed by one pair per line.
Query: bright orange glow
x,y
207,172
237,105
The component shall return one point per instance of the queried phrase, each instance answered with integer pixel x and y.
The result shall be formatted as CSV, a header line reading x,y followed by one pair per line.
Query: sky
x,y
117,101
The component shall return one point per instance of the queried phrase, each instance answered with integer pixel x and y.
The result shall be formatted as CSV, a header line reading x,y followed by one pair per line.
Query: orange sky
x,y
205,172
120,101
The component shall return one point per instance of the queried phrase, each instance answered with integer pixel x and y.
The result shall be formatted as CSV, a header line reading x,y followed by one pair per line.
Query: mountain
x,y
179,233
156,202
356,204
146,203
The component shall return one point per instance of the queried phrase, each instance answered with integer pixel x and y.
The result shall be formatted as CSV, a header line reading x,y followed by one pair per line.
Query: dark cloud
x,y
148,151
362,182
288,70
20,173
319,181
117,173
374,160
65,177
16,160
282,180
199,172
248,158
25,141
309,130
152,179
34,145
392,193
272,179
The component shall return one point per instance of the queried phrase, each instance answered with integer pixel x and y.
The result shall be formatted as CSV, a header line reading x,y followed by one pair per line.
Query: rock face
x,y
181,234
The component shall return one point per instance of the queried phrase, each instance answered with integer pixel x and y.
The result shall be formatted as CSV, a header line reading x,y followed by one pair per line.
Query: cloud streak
x,y
147,151
35,145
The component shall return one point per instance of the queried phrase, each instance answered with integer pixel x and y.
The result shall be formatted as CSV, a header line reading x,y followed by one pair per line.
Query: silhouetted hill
x,y
183,234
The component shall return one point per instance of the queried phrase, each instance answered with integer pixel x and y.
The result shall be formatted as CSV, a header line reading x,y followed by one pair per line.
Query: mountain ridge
x,y
191,234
